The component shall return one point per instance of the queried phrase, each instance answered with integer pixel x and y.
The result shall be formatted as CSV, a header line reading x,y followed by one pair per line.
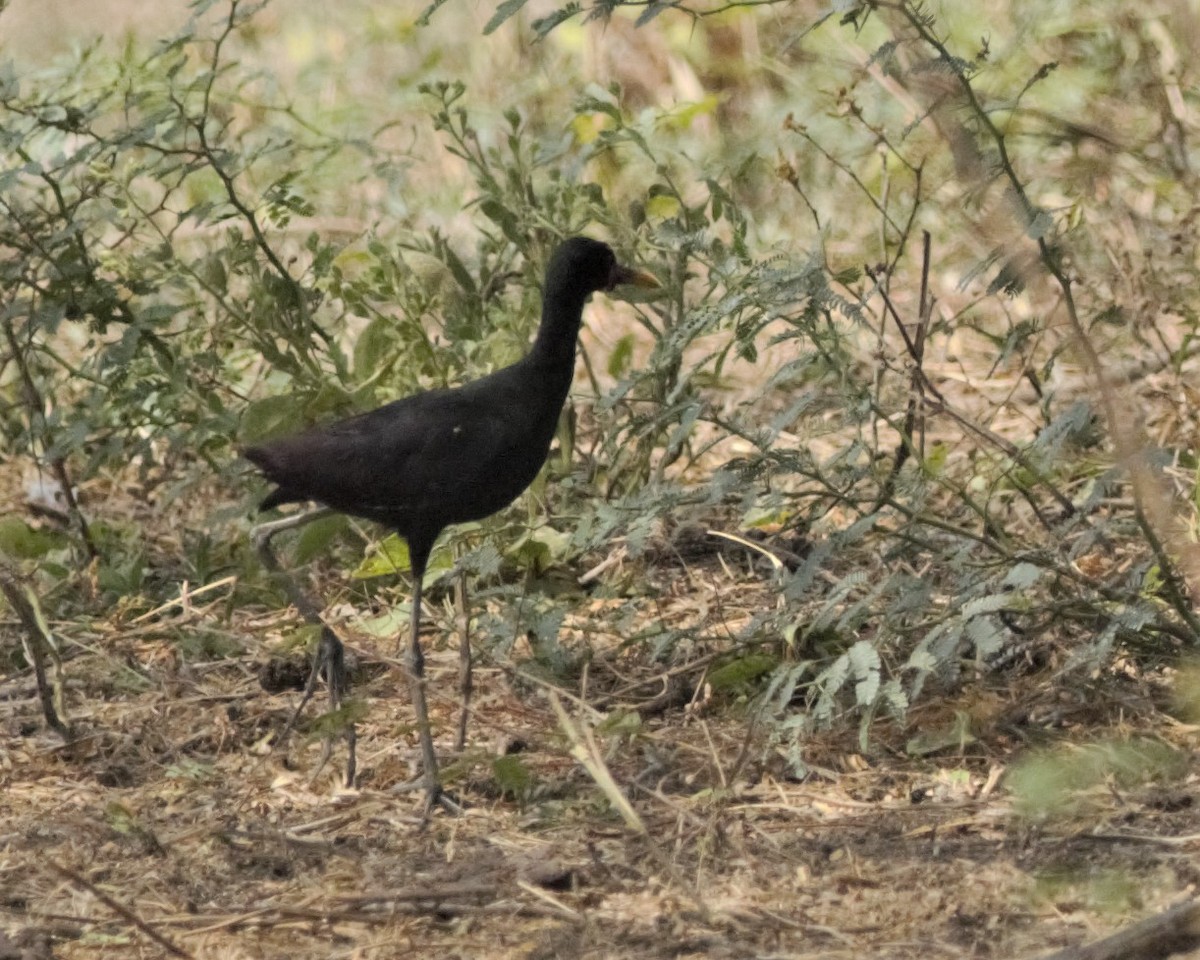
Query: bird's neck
x,y
553,350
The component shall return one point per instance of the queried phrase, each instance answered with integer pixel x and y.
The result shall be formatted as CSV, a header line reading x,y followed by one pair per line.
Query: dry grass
x,y
172,804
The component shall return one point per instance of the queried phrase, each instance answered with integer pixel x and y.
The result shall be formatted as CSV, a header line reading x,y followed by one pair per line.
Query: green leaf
x,y
507,9
499,214
619,359
1023,576
653,9
10,87
935,460
23,542
543,25
985,635
388,625
738,674
864,661
512,776
378,340
683,115
315,537
620,723
989,604
389,557
663,206
212,273
540,548
461,274
429,11
270,417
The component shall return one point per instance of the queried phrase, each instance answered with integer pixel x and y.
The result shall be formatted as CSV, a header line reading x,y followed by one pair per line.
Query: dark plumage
x,y
449,456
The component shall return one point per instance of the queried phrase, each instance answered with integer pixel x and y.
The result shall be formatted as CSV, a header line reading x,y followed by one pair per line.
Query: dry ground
x,y
172,817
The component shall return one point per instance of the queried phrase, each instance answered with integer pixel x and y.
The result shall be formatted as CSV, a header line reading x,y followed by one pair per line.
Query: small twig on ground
x,y
185,597
1173,931
120,909
587,753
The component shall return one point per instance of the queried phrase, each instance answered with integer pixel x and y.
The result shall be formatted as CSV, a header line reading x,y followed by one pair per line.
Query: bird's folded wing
x,y
406,456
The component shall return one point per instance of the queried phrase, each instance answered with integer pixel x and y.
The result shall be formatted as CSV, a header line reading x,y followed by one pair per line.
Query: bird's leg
x,y
464,659
414,662
330,652
262,535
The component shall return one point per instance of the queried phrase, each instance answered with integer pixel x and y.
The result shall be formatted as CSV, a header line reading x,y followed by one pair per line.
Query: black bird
x,y
454,455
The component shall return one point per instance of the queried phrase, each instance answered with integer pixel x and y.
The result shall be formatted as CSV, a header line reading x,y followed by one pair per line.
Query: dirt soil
x,y
173,826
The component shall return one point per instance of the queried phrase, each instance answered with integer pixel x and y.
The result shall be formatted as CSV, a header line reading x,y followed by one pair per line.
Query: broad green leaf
x,y
388,625
498,213
377,341
315,537
682,116
588,126
270,417
663,206
389,557
738,674
23,542
540,548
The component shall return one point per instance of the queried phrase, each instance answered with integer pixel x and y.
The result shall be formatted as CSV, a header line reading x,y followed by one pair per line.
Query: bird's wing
x,y
419,456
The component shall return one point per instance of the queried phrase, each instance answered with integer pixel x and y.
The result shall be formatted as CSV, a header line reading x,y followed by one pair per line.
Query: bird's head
x,y
589,265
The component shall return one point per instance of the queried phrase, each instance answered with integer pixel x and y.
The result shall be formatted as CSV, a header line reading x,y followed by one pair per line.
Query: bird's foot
x,y
435,796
